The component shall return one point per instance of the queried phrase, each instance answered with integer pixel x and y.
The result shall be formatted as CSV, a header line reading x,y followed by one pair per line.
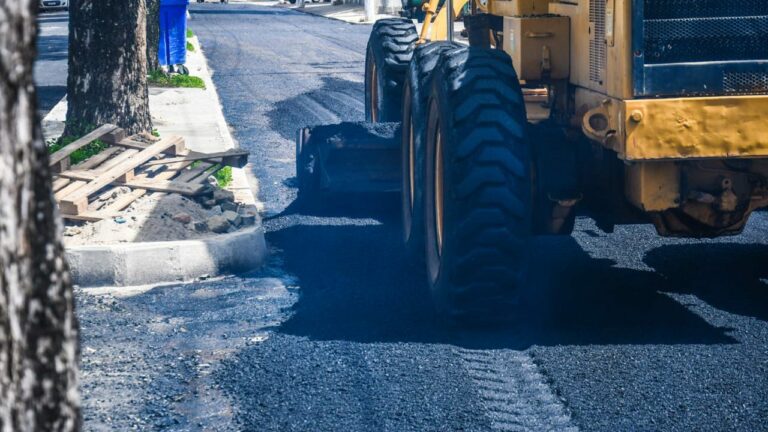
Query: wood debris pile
x,y
133,166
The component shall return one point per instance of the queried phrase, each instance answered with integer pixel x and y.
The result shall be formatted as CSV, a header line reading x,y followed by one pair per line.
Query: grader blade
x,y
348,158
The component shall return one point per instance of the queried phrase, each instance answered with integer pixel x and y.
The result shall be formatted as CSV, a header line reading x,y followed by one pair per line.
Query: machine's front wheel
x,y
389,51
478,185
415,100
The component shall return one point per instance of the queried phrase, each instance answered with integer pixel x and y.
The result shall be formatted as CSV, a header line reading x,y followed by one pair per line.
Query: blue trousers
x,y
173,35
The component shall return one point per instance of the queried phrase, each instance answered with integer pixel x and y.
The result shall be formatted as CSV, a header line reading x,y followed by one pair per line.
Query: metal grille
x,y
597,48
745,82
669,9
686,31
706,39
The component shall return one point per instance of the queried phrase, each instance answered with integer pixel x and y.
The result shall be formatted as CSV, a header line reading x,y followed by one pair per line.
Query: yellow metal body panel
x,y
690,128
619,45
607,70
439,27
518,7
538,45
653,186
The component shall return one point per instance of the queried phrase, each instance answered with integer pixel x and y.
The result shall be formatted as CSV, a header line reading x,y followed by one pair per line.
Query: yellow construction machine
x,y
628,111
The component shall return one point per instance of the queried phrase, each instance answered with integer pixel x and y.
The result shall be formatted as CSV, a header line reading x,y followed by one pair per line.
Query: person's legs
x,y
163,51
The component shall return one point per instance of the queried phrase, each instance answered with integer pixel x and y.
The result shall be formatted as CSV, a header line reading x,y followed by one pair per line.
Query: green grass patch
x,y
190,47
80,154
224,176
161,79
190,33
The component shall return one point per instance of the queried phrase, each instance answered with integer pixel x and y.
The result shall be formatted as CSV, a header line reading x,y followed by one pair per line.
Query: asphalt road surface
x,y
51,64
630,331
627,331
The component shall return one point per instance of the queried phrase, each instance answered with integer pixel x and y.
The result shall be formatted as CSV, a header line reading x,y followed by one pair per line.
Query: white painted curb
x,y
129,264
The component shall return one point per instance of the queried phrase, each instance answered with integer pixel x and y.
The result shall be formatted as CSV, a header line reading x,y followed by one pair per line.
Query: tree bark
x,y
153,34
107,80
38,330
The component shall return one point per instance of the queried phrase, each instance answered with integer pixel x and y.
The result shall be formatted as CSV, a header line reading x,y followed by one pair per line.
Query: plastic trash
x,y
173,32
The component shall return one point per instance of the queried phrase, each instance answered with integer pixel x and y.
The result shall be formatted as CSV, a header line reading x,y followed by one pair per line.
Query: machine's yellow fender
x,y
436,21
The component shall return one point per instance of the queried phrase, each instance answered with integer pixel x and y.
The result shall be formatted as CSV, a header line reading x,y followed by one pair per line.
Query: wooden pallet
x,y
141,163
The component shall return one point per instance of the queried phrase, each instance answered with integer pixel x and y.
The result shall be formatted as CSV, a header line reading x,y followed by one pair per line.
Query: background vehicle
x,y
54,4
627,111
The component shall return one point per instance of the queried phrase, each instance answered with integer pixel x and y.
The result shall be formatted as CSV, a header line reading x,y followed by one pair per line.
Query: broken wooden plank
x,y
120,203
110,163
59,183
72,187
75,185
96,159
124,201
77,202
173,186
195,172
85,217
179,149
114,136
64,153
129,143
235,158
203,178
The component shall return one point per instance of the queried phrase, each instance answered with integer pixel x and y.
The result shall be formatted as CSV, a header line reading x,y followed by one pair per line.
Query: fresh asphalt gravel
x,y
626,331
51,62
630,331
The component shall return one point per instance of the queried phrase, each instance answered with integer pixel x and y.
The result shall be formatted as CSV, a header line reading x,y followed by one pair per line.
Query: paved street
x,y
51,64
627,331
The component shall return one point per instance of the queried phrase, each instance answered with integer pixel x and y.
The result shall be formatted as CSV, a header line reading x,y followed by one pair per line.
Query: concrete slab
x,y
130,264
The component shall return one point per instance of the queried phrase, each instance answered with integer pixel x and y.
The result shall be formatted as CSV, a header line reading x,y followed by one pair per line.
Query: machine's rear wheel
x,y
415,100
478,185
390,47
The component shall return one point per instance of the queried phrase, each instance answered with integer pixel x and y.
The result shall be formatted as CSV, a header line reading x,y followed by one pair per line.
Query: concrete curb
x,y
131,264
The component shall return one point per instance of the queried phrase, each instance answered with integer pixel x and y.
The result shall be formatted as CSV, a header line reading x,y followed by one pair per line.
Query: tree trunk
x,y
38,329
153,34
107,80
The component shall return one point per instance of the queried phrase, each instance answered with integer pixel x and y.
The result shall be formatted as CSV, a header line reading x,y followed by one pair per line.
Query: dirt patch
x,y
161,217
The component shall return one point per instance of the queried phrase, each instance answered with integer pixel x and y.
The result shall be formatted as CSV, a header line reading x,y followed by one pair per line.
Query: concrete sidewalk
x,y
192,113
354,14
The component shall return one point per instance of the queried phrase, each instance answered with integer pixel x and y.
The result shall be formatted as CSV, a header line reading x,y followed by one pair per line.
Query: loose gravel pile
x,y
163,217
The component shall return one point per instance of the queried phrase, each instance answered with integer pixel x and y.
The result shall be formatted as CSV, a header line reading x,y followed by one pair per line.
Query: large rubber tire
x,y
415,99
389,51
478,186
